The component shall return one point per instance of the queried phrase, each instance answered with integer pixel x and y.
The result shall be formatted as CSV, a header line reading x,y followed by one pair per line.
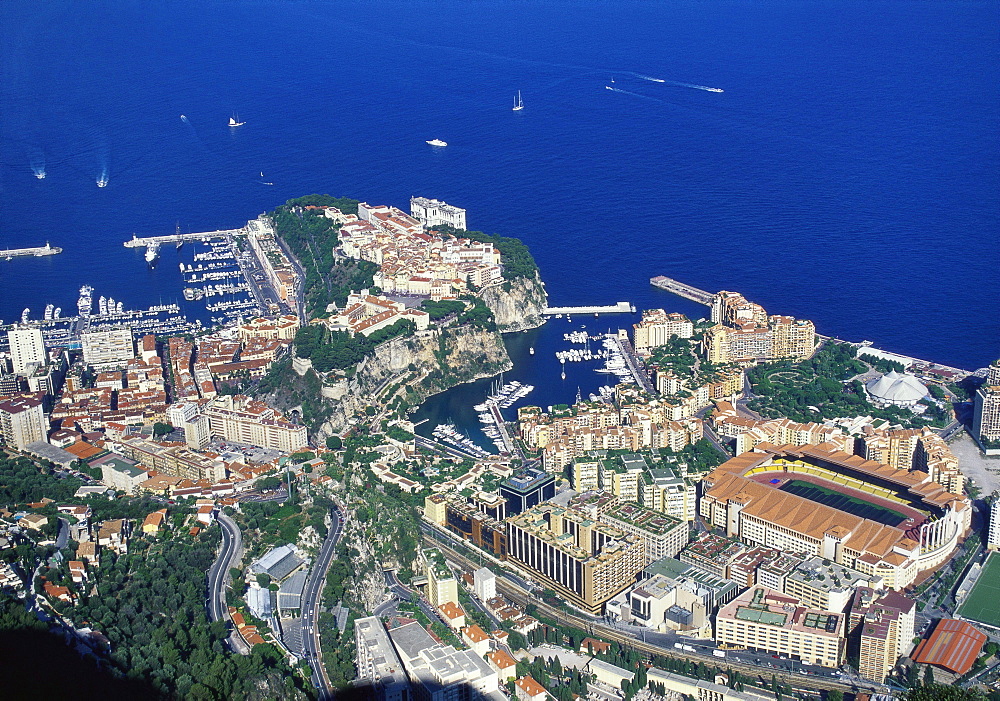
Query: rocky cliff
x,y
517,304
426,364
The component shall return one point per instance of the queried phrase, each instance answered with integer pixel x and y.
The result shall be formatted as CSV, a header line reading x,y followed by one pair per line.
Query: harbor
x,y
177,237
37,252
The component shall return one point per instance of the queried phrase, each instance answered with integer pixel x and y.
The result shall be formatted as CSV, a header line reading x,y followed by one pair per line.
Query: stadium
x,y
822,501
981,603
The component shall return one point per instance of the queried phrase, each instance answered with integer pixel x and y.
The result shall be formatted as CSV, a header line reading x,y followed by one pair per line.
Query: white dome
x,y
896,388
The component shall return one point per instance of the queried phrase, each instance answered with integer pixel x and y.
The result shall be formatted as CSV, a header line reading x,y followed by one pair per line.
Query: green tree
x,y
161,429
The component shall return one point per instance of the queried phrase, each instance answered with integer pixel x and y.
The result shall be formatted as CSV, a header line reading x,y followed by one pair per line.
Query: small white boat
x,y
234,121
518,103
102,181
531,351
437,142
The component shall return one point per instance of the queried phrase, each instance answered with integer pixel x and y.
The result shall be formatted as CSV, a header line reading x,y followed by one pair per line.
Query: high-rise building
x,y
440,672
114,346
986,420
26,347
442,586
527,489
993,535
22,421
880,630
585,561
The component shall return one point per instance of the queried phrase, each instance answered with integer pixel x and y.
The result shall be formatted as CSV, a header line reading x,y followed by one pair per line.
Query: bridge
x,y
620,308
681,290
144,241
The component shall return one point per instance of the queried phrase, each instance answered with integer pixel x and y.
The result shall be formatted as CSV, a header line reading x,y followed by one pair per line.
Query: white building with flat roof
x,y
442,672
26,347
432,213
107,347
993,535
377,661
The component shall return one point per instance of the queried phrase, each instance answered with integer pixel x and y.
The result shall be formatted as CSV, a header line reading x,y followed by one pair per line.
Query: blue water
x,y
848,173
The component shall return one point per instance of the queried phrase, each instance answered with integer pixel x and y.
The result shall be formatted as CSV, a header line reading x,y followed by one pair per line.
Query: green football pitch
x,y
983,602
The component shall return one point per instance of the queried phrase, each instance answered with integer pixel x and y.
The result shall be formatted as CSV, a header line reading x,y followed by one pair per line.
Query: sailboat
x,y
518,103
234,121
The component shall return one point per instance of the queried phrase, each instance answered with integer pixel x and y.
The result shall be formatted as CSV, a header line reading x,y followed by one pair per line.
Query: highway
x,y
218,577
312,599
641,639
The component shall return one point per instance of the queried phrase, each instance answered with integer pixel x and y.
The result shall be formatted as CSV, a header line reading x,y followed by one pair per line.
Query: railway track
x,y
798,682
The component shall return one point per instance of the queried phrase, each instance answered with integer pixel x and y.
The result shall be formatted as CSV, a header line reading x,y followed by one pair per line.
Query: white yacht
x,y
518,103
437,142
234,121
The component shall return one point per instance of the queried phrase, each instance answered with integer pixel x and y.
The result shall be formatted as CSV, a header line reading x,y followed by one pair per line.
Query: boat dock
x,y
46,250
498,420
144,241
620,308
682,290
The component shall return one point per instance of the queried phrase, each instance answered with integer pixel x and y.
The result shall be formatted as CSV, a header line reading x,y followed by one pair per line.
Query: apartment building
x,y
26,347
823,584
986,419
440,672
880,630
442,586
657,327
245,420
105,348
765,620
22,421
662,535
585,561
378,664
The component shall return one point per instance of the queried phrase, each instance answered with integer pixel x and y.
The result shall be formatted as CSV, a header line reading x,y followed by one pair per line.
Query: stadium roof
x,y
954,645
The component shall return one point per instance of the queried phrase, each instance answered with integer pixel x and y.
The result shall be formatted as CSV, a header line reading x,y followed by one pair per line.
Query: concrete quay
x,y
620,308
682,290
144,241
46,250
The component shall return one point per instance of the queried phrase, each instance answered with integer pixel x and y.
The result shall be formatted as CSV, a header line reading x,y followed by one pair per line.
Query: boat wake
x,y
649,78
37,162
633,94
694,87
102,179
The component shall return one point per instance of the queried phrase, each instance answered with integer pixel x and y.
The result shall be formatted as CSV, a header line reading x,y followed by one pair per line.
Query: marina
x,y
146,241
37,252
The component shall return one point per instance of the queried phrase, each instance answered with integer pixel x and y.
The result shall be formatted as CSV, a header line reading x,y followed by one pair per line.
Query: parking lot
x,y
982,471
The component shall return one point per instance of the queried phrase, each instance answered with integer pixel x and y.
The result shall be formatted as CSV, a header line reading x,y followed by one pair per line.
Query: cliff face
x,y
426,365
517,304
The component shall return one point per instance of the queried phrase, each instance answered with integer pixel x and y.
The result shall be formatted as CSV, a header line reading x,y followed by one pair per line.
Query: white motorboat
x,y
437,142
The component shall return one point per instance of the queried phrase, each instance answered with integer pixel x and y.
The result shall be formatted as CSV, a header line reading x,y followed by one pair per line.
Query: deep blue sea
x,y
848,173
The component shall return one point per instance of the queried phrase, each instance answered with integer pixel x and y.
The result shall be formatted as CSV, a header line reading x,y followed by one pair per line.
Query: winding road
x,y
312,600
218,578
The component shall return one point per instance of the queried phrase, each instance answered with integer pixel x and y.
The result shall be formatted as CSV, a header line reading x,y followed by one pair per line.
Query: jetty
x,y
682,290
144,241
620,308
46,250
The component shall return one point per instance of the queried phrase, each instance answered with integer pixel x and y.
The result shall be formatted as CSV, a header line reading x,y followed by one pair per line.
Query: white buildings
x,y
993,535
26,347
485,583
441,672
377,660
22,422
432,213
246,420
115,346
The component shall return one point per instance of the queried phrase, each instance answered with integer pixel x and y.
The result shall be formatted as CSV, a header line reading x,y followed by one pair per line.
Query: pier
x,y
46,250
620,308
498,420
144,241
682,290
635,365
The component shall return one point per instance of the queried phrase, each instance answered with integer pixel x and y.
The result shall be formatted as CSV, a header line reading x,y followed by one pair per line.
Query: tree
x,y
161,429
942,692
928,676
334,443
